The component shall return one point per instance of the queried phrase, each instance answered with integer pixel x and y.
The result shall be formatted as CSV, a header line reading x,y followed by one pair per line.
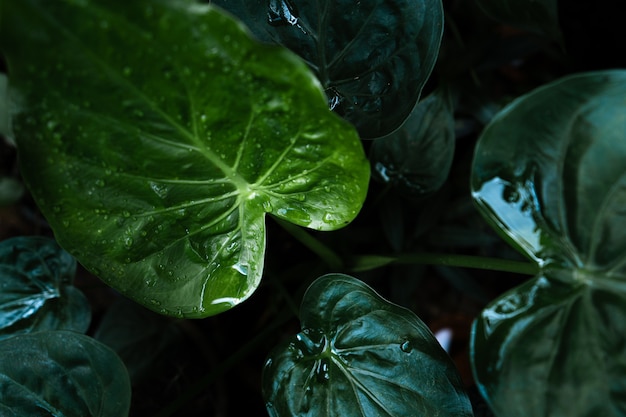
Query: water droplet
x,y
406,346
128,242
323,371
281,12
241,268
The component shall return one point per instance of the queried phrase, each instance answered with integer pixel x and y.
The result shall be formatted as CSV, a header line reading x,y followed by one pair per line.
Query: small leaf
x,y
416,158
539,16
36,291
373,57
158,170
61,373
549,174
360,355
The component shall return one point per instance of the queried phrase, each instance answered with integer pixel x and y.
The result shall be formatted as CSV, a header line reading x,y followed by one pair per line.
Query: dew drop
x,y
406,346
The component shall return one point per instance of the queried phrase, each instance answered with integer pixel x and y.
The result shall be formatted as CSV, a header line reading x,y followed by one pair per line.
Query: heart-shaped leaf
x,y
373,57
61,373
360,355
539,16
549,173
36,291
156,135
416,158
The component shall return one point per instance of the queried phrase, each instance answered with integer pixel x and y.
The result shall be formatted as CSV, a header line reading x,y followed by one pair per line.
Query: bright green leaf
x,y
549,174
61,373
360,355
416,158
539,16
373,57
156,135
36,291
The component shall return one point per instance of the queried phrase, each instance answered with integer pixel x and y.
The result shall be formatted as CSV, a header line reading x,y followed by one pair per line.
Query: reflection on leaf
x,y
360,355
183,135
549,174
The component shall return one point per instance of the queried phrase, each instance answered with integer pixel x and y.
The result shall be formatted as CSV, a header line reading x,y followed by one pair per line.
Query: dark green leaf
x,y
549,173
539,16
36,291
61,373
416,158
10,191
139,336
360,355
5,109
373,57
158,170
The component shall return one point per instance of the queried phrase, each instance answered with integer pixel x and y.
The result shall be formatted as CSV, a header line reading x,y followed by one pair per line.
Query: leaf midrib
x,y
228,171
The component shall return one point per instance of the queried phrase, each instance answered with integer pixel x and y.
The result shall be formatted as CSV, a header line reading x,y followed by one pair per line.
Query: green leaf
x,y
549,174
139,336
158,171
416,158
373,57
10,191
5,110
360,355
61,373
539,16
36,291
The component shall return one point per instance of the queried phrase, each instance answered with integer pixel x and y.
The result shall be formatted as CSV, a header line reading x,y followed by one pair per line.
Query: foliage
x,y
162,145
182,232
563,208
47,365
360,355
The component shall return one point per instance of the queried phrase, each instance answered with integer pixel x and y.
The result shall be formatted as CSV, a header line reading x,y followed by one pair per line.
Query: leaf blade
x,y
186,148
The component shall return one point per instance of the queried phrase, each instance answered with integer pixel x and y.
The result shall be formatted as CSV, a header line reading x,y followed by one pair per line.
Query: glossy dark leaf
x,y
539,16
36,291
5,106
373,57
360,355
549,173
156,135
61,373
416,158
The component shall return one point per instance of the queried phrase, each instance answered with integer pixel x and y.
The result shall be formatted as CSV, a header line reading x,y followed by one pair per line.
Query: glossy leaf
x,y
549,173
158,171
360,355
539,16
61,373
416,158
36,291
373,57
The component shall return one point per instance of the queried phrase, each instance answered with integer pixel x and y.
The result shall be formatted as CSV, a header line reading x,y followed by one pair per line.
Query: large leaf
x,y
539,16
416,158
156,135
36,291
373,57
549,173
360,355
61,373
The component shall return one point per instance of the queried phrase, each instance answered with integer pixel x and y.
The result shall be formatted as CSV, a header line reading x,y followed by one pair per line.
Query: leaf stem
x,y
369,262
329,257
